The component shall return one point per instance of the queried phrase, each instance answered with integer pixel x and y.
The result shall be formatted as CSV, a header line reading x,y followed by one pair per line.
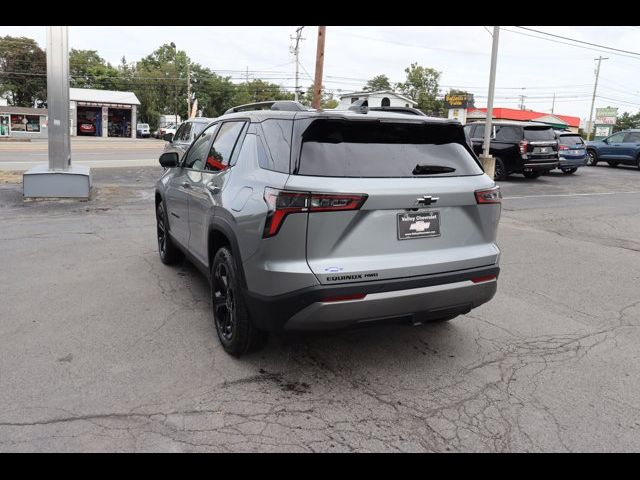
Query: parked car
x,y
169,130
622,147
86,128
185,135
571,150
529,148
294,237
142,130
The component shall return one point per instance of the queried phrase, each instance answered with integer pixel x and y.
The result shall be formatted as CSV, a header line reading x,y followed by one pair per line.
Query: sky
x,y
534,67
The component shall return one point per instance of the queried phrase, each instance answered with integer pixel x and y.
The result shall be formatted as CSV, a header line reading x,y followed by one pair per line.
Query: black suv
x,y
519,147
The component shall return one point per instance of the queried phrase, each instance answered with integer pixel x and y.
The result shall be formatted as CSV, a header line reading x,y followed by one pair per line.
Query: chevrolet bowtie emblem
x,y
426,200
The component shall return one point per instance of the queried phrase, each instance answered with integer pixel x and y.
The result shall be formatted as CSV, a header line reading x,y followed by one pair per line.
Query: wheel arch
x,y
221,234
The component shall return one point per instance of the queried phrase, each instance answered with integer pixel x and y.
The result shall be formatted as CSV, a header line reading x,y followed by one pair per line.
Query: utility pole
x,y
296,50
593,99
553,105
317,85
521,102
175,81
488,162
188,89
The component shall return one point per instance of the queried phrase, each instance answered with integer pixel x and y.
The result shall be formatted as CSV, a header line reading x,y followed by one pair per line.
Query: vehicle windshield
x,y
571,140
536,134
341,148
143,125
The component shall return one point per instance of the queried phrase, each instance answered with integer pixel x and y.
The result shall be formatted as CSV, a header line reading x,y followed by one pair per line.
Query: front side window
x,y
479,131
196,128
617,138
222,148
197,154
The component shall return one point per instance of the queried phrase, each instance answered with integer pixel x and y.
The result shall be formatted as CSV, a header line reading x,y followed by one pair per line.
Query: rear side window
x,y
340,148
277,135
508,133
539,134
478,132
632,137
571,140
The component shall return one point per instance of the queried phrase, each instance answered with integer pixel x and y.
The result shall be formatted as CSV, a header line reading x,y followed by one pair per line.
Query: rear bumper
x,y
539,166
572,162
422,298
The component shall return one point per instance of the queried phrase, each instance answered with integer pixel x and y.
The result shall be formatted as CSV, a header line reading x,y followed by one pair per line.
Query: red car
x,y
87,128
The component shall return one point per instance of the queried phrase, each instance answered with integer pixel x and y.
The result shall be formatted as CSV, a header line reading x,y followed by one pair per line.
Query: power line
x,y
579,41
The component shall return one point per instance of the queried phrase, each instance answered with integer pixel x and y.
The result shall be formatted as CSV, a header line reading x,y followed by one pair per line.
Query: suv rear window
x,y
570,140
537,134
341,148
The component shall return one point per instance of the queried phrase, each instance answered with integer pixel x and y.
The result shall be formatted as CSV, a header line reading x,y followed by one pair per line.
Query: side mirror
x,y
168,137
169,159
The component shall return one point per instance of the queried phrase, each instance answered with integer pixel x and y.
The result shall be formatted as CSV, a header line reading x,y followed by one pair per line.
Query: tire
x,y
500,172
531,174
592,158
569,171
235,329
169,253
613,164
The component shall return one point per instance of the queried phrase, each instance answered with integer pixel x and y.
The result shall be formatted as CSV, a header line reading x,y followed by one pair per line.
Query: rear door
x,y
413,221
571,146
630,144
542,145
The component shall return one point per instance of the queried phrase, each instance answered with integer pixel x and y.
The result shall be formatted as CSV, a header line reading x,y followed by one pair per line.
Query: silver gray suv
x,y
307,220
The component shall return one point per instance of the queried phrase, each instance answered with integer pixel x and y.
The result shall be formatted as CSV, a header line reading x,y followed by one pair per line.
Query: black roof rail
x,y
282,105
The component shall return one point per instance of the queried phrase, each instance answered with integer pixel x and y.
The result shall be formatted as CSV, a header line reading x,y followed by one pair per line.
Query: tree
x,y
260,91
327,101
88,70
422,86
378,83
23,71
627,121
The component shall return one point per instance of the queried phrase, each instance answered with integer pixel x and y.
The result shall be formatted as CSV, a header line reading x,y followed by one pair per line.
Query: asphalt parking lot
x,y
103,348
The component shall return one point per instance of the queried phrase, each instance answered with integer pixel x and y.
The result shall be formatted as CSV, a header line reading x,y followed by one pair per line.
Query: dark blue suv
x,y
622,147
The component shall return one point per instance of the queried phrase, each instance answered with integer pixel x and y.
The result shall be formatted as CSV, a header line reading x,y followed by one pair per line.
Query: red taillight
x,y
485,278
491,195
342,298
281,203
524,146
563,147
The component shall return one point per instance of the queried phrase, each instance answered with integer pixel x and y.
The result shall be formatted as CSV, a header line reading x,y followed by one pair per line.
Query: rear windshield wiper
x,y
431,169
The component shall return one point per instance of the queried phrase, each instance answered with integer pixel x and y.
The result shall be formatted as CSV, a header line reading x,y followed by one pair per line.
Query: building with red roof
x,y
557,121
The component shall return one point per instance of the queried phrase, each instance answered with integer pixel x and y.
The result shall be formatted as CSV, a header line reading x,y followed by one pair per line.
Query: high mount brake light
x,y
492,195
282,202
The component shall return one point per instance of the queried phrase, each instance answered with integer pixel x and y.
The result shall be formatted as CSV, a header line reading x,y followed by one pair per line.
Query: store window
x,y
25,123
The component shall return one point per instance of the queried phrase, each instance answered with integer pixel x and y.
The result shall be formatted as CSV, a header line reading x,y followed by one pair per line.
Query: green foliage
x,y
23,71
627,121
422,86
377,83
327,101
88,70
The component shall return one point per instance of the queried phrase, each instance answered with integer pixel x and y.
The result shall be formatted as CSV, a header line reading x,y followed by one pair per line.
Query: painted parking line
x,y
571,195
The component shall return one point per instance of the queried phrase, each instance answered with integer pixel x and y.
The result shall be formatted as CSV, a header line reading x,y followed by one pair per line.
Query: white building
x,y
382,98
103,113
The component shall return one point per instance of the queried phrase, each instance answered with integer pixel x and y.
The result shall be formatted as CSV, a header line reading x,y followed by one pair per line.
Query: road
x,y
106,349
93,152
